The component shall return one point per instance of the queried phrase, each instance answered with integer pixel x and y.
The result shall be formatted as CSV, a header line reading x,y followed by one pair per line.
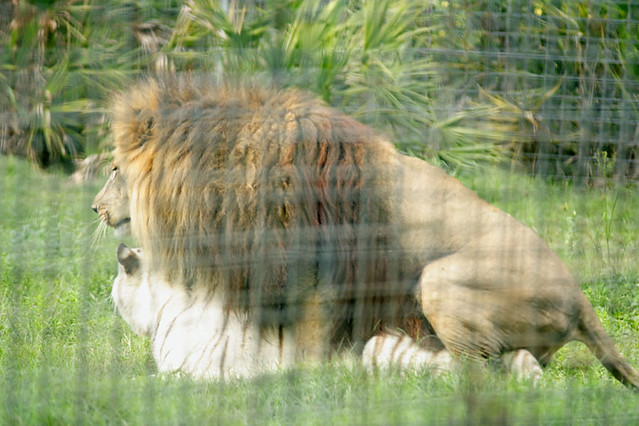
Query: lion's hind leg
x,y
484,308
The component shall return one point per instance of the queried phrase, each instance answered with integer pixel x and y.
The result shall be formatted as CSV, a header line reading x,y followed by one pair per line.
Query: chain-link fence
x,y
291,260
563,72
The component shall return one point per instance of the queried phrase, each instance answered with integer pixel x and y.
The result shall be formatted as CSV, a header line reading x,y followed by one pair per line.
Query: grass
x,y
65,356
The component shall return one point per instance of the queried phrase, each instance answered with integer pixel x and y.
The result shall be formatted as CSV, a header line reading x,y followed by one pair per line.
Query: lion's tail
x,y
592,333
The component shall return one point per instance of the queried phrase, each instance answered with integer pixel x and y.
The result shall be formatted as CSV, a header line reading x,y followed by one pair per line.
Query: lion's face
x,y
112,204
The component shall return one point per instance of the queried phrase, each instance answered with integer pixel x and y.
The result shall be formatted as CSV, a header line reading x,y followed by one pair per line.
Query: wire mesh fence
x,y
563,71
295,256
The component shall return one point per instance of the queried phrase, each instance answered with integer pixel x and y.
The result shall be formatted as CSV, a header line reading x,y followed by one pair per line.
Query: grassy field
x,y
65,356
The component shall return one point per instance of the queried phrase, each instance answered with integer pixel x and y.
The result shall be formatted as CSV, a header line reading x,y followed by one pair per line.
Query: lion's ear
x,y
128,259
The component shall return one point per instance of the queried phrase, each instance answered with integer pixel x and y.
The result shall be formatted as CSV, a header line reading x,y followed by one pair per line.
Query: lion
x,y
272,201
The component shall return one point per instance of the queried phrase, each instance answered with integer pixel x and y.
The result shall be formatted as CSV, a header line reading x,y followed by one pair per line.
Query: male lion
x,y
279,206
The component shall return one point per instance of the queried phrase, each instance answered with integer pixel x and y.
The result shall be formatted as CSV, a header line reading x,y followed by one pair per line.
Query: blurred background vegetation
x,y
548,86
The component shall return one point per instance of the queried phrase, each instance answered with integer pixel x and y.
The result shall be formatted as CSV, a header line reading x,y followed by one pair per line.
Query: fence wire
x,y
533,105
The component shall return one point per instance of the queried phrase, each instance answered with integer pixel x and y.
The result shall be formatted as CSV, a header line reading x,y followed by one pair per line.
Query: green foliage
x,y
364,56
563,72
547,84
59,61
367,57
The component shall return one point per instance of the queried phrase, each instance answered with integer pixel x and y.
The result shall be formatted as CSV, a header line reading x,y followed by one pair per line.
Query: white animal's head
x,y
131,291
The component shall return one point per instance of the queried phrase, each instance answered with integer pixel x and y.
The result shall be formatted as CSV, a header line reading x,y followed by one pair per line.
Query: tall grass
x,y
66,356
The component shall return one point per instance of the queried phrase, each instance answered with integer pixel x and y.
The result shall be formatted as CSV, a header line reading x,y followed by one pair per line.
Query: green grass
x,y
65,355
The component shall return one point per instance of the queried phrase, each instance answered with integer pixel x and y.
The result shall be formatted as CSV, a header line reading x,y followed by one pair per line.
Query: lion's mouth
x,y
124,221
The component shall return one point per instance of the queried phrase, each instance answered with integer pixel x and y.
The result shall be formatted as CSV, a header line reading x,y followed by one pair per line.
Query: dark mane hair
x,y
264,197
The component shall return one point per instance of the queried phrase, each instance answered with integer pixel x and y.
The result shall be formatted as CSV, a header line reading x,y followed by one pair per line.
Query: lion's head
x,y
112,204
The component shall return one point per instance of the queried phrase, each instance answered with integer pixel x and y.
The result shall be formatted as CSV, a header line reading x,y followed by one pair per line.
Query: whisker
x,y
85,228
99,233
90,229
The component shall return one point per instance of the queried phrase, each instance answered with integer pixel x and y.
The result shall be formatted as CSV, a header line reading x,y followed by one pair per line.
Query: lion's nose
x,y
94,208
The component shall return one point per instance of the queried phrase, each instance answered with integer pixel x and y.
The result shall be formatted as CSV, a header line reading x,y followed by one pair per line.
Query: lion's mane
x,y
264,197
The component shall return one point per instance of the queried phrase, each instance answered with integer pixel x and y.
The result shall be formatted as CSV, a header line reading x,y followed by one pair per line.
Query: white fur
x,y
522,365
132,297
386,350
193,334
